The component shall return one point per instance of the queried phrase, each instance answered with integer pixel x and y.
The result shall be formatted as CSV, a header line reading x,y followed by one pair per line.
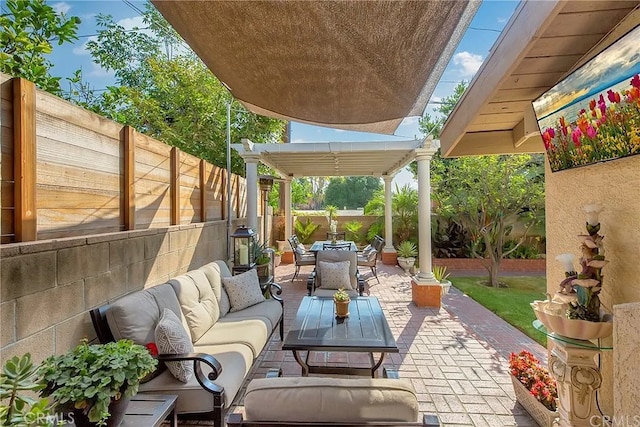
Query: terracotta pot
x,y
543,416
342,308
117,409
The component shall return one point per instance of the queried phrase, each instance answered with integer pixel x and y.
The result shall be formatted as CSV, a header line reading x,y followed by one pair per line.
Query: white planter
x,y
559,323
539,412
283,245
277,259
446,285
406,263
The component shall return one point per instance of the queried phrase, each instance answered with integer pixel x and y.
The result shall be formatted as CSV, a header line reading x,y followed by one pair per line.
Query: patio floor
x,y
456,357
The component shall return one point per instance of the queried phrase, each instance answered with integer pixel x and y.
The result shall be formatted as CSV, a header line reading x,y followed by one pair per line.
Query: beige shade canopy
x,y
355,65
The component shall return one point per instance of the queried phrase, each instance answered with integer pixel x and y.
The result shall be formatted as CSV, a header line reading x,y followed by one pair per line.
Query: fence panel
x,y
189,189
152,183
7,200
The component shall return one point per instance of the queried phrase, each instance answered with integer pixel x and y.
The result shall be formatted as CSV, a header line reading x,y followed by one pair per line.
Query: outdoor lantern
x,y
243,248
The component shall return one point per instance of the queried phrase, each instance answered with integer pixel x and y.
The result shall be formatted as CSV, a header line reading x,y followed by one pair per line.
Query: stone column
x,y
388,252
425,289
578,378
251,167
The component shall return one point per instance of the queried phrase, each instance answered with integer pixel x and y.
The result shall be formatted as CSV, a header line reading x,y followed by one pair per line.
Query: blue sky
x,y
492,16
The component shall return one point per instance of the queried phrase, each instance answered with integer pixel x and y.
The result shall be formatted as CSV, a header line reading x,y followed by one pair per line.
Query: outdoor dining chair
x,y
336,246
369,258
301,256
335,270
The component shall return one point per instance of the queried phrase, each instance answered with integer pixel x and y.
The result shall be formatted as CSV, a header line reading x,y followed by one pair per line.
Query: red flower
x,y
153,348
635,81
613,96
592,104
527,369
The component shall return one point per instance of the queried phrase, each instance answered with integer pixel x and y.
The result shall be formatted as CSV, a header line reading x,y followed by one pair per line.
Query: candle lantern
x,y
243,251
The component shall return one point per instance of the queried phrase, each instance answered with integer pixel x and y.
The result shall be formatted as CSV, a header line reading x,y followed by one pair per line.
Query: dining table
x,y
318,245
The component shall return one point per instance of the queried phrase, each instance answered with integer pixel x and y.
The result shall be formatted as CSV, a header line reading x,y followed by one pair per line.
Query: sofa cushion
x,y
171,338
236,360
243,290
328,293
269,311
197,302
321,399
215,271
337,256
335,275
136,315
253,333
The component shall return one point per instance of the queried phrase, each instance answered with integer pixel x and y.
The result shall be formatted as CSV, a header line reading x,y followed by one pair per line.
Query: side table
x,y
150,410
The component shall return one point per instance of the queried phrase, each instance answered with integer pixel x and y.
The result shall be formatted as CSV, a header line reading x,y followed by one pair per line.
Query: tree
x,y
488,195
351,192
28,30
404,208
166,92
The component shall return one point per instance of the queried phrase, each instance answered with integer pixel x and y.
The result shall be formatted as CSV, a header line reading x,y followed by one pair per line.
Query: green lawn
x,y
512,303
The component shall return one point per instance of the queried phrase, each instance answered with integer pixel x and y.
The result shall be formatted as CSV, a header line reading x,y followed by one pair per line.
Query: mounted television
x,y
593,115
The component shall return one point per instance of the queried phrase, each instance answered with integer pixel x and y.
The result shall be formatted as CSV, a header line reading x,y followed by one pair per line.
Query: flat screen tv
x,y
593,115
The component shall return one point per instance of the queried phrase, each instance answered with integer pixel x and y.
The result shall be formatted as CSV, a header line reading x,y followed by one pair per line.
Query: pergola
x,y
382,159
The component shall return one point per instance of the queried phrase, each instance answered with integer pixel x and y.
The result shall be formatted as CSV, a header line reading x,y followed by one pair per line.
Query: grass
x,y
511,303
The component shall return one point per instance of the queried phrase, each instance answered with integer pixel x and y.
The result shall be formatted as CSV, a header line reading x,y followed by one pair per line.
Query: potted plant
x,y
441,275
407,252
96,381
18,377
277,257
262,258
341,299
534,387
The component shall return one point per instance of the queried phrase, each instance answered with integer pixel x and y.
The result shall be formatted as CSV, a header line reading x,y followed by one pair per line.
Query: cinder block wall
x,y
48,287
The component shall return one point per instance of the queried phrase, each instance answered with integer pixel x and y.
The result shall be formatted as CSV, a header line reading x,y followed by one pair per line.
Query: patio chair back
x,y
336,246
369,259
337,256
301,256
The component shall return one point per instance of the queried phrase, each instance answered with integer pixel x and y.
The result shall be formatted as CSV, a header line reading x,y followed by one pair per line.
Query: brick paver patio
x,y
456,357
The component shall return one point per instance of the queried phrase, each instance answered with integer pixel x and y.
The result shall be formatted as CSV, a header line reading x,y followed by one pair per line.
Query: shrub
x,y
535,377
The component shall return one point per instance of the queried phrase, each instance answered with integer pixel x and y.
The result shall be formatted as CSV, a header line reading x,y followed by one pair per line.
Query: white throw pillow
x,y
243,290
334,275
172,338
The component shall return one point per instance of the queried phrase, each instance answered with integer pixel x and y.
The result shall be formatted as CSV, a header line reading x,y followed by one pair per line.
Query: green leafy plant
x,y
19,375
89,377
407,249
305,230
440,272
259,254
352,229
341,295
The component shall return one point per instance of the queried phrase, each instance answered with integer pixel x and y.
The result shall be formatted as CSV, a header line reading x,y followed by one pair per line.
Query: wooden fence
x,y
65,171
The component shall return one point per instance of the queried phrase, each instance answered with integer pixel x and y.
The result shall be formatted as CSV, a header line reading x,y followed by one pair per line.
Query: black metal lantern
x,y
243,248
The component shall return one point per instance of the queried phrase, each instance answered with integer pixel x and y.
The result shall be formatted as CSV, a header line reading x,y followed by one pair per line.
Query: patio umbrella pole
x,y
228,180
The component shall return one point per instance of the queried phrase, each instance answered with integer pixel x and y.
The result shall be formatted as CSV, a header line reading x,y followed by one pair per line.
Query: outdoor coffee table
x,y
316,328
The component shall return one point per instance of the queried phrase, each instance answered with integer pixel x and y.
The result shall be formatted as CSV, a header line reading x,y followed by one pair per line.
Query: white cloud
x,y
82,49
98,71
501,20
131,23
61,7
468,63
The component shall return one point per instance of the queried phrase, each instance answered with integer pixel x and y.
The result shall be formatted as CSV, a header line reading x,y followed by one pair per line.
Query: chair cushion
x,y
243,290
321,399
197,302
335,275
236,360
252,333
171,338
215,271
269,311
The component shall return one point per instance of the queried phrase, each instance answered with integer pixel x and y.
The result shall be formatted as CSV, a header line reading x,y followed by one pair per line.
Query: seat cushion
x,y
335,275
171,338
269,311
236,360
136,315
243,290
321,399
253,333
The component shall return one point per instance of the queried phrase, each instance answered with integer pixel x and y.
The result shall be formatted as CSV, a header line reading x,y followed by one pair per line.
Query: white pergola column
x,y
423,157
388,252
285,187
251,167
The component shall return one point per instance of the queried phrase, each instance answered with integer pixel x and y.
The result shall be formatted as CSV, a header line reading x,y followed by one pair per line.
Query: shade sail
x,y
356,65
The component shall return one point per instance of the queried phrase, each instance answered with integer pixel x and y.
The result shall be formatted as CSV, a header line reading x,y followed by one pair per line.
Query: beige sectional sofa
x,y
225,342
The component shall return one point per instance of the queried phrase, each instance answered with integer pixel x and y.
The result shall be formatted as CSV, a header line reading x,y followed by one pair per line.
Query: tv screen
x,y
593,115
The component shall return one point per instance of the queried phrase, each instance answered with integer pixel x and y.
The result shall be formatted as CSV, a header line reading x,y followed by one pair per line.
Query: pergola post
x,y
251,167
389,255
425,289
285,188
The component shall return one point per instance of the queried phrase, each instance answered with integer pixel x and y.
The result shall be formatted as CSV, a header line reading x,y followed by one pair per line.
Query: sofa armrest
x,y
311,283
198,358
275,295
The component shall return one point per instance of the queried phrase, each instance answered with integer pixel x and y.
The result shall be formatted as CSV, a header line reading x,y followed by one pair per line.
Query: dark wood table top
x,y
316,328
150,410
318,244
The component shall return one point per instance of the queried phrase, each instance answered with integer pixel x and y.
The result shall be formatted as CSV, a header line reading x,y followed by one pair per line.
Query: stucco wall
x,y
48,287
616,186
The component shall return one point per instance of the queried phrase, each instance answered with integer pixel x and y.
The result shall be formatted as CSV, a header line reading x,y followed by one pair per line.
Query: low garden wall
x,y
473,264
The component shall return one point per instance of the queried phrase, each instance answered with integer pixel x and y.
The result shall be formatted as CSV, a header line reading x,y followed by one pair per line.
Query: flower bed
x,y
534,387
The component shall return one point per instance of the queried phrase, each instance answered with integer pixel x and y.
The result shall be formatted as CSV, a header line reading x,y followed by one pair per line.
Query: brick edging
x,y
456,264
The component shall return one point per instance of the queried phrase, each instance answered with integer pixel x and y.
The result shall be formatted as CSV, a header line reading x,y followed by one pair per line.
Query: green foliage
x,y
510,303
523,251
449,239
440,272
170,96
404,207
90,376
432,125
332,213
352,230
407,249
259,254
19,376
28,30
341,295
351,192
301,192
305,230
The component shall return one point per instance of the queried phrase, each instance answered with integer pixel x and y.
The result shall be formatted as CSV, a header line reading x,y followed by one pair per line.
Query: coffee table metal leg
x,y
303,364
375,367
